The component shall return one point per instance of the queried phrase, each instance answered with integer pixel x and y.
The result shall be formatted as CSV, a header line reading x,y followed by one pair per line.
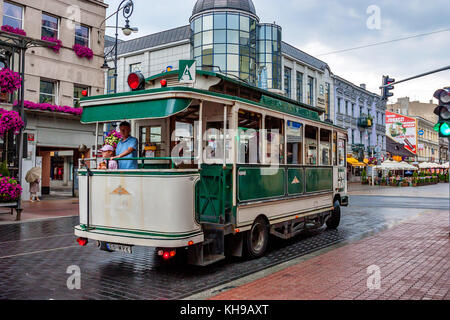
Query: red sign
x,y
402,129
30,136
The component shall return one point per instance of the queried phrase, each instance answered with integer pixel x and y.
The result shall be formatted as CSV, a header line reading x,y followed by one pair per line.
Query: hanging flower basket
x,y
10,121
83,52
10,81
11,29
57,42
113,139
50,107
10,190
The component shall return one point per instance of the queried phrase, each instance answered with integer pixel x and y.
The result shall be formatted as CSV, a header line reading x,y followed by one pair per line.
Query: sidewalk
x,y
43,210
440,190
413,257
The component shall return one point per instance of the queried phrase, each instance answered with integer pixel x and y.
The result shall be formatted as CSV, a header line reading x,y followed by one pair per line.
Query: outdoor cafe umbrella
x,y
33,175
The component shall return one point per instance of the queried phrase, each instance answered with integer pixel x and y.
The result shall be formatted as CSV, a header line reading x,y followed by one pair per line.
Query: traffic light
x,y
386,91
443,112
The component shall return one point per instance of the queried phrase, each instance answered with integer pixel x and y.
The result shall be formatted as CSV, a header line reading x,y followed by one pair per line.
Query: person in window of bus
x,y
108,153
126,148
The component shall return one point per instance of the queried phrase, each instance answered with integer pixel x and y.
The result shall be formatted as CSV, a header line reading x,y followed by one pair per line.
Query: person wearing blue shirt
x,y
127,148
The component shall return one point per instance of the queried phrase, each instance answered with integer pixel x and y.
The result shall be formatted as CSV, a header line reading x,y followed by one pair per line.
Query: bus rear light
x,y
237,230
166,255
82,241
160,253
173,253
190,243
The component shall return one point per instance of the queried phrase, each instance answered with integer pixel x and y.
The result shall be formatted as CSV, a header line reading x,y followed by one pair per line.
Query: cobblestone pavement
x,y
34,257
413,260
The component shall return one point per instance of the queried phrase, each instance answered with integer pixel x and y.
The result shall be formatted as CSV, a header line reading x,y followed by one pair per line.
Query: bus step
x,y
210,259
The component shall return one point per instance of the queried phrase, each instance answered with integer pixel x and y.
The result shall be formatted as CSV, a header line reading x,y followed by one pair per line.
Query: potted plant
x,y
383,182
364,177
83,52
415,179
57,42
10,190
10,80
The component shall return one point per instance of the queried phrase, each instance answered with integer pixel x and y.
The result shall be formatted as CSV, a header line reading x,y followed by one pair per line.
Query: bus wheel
x,y
257,238
335,219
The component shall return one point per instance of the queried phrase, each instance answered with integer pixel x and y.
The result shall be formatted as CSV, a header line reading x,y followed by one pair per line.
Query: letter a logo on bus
x,y
187,71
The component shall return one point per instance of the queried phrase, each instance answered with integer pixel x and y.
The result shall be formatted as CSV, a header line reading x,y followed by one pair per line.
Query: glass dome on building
x,y
227,37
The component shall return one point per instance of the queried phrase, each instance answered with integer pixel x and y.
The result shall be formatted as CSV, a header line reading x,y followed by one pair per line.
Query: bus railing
x,y
82,163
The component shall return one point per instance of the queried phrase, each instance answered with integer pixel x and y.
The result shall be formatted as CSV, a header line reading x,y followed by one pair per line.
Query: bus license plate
x,y
119,247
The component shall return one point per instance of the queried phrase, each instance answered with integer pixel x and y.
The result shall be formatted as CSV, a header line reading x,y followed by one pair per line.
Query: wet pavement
x,y
34,256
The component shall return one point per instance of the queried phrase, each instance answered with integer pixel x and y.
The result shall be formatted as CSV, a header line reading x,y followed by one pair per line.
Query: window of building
x,y
275,140
353,136
77,94
327,100
310,91
12,15
249,126
361,138
82,35
110,81
136,67
47,92
49,26
299,86
287,81
339,105
335,149
346,107
361,109
325,147
294,136
353,109
311,134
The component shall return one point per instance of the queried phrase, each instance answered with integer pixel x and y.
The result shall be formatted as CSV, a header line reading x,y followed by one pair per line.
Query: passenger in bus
x,y
127,148
108,153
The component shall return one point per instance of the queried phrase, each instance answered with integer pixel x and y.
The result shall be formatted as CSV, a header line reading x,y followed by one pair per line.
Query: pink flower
x,y
10,81
49,107
83,52
57,46
11,29
10,121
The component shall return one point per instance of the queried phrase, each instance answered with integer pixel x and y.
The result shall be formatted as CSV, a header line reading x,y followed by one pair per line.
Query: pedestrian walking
x,y
33,177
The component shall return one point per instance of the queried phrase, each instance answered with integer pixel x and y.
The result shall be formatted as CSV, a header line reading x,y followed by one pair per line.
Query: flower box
x,y
10,190
11,29
83,52
49,107
57,42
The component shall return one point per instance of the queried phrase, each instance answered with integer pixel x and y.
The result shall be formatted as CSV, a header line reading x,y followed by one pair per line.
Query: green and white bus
x,y
222,165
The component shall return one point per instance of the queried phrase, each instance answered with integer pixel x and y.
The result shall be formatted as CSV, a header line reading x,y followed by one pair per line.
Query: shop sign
x,y
402,129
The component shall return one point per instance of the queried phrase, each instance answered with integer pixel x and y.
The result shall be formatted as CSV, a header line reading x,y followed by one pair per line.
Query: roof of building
x,y
243,5
302,56
184,33
355,86
397,149
153,40
110,41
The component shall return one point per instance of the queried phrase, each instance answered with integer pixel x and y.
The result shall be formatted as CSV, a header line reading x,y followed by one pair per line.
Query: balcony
x,y
365,121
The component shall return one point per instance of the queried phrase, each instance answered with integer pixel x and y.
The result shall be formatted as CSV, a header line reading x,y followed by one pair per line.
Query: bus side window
x,y
294,134
151,143
249,126
341,153
325,147
335,153
275,140
311,145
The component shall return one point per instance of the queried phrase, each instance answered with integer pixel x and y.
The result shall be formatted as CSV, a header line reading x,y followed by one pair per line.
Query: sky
x,y
320,27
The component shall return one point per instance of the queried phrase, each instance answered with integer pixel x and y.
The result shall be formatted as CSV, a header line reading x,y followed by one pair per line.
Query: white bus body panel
x,y
148,207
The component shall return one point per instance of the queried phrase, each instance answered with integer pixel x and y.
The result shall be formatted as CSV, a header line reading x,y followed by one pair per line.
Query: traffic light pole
x,y
415,77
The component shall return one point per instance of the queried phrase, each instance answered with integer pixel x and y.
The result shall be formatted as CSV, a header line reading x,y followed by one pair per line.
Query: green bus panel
x,y
295,181
260,183
319,179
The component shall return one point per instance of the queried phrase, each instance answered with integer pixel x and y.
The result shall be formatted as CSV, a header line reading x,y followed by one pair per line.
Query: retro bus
x,y
221,166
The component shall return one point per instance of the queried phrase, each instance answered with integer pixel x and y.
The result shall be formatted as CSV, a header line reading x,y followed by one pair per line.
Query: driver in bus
x,y
126,148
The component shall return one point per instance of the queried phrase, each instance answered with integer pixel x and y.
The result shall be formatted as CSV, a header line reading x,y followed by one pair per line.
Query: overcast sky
x,y
323,26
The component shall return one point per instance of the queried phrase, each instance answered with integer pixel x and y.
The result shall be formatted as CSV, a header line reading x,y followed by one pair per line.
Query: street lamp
x,y
127,6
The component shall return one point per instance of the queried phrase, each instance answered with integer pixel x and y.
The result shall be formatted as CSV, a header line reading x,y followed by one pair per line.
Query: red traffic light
x,y
136,81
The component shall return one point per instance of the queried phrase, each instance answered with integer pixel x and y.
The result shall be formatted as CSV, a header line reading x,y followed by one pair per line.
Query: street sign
x,y
187,71
421,133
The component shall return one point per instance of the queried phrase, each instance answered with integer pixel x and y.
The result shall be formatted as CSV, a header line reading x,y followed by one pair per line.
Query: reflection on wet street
x,y
34,256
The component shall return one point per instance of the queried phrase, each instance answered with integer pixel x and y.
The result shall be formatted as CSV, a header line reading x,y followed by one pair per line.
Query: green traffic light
x,y
445,129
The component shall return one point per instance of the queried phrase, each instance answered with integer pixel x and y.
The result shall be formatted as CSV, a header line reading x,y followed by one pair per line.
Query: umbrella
x,y
33,175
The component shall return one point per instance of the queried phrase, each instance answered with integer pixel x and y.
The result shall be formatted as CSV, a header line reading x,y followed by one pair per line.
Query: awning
x,y
355,163
151,109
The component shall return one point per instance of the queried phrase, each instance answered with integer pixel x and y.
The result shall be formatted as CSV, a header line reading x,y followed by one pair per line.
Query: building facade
x,y
428,142
227,36
57,78
362,113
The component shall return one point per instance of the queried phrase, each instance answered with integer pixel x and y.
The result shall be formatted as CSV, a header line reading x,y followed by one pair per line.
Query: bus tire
x,y
335,219
257,239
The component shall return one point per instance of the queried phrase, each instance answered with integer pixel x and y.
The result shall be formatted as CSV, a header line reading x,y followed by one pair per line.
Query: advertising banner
x,y
402,129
